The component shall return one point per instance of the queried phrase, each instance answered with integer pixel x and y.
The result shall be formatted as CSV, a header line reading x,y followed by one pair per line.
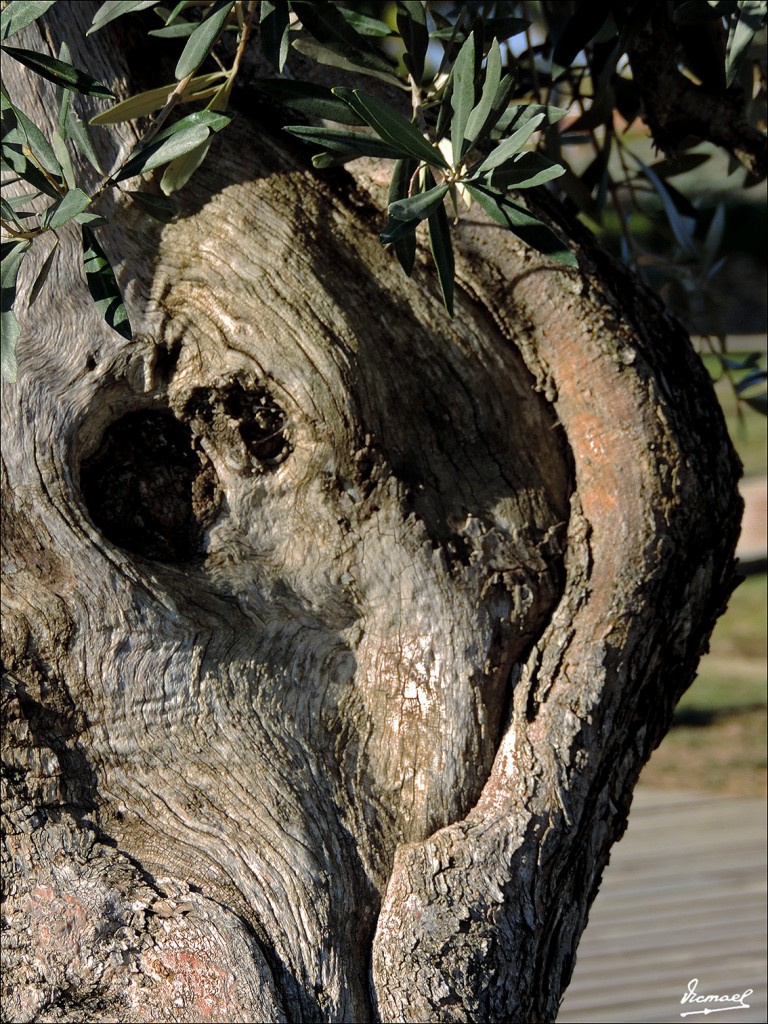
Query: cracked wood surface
x,y
342,726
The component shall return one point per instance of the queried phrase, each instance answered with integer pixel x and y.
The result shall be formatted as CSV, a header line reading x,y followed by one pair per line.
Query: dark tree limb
x,y
676,108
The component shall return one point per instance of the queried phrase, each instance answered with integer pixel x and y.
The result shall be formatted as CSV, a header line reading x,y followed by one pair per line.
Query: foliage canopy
x,y
500,103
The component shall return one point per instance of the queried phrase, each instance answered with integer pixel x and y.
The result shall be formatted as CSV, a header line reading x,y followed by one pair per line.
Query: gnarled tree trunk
x,y
336,630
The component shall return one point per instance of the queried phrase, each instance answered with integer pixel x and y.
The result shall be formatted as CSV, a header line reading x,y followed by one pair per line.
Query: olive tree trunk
x,y
336,630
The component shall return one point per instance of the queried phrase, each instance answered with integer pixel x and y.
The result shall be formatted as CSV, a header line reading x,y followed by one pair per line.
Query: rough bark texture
x,y
336,631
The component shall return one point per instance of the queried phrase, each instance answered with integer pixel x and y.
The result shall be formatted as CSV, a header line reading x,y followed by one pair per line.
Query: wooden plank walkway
x,y
684,897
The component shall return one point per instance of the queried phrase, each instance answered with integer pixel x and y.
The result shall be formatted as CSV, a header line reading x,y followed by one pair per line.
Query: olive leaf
x,y
158,207
477,120
26,150
419,206
112,9
392,127
412,25
522,223
66,209
584,24
463,93
42,274
364,24
143,103
201,41
442,253
330,28
511,145
102,284
307,98
404,243
11,259
526,170
59,72
274,22
749,19
340,141
21,13
171,143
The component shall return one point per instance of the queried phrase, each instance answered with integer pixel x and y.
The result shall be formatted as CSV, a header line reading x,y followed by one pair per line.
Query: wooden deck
x,y
684,897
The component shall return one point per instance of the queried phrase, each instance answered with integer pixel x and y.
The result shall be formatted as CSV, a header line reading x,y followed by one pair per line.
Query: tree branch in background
x,y
675,108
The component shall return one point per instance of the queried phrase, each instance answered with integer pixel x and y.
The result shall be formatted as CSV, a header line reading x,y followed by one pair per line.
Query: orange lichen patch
x,y
185,966
63,926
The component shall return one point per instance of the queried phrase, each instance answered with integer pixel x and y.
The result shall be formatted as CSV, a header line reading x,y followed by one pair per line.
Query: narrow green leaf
x,y
64,96
347,61
464,74
273,25
143,103
505,28
498,111
404,245
179,30
158,207
601,111
173,142
7,212
67,208
517,116
759,403
112,9
508,147
327,24
59,72
95,220
751,380
62,155
364,25
714,237
42,274
419,206
12,255
20,13
179,171
171,17
9,337
102,284
38,144
526,170
337,159
397,231
159,153
748,362
681,164
442,254
201,41
477,120
314,100
683,227
392,127
523,224
750,18
412,25
582,27
78,133
338,141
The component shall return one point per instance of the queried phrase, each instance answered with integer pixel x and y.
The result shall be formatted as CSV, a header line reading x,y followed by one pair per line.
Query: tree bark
x,y
336,630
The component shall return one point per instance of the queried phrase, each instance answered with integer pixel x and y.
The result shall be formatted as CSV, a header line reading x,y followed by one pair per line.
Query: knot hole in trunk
x,y
241,421
148,490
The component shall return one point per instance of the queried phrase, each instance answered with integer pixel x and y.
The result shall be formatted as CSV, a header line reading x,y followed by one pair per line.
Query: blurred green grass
x,y
719,734
748,428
